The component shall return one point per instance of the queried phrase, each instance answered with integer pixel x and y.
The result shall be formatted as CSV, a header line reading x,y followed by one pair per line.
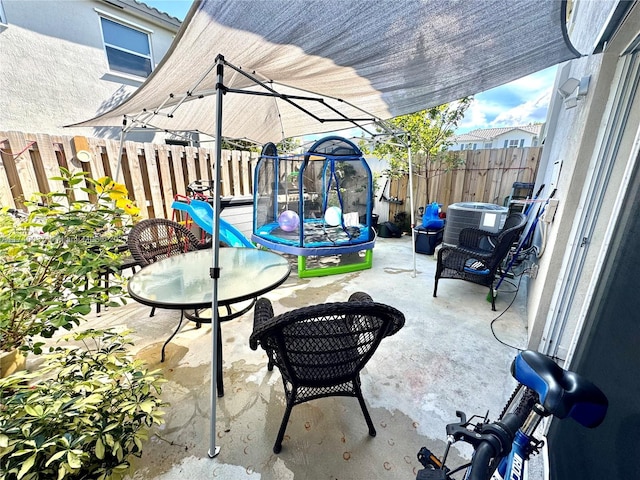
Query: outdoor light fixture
x,y
83,156
569,86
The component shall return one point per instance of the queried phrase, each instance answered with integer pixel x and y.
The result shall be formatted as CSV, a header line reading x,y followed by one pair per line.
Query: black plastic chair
x,y
479,254
320,350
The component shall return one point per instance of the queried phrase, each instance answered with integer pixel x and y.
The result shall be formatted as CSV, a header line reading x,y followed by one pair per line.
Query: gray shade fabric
x,y
368,59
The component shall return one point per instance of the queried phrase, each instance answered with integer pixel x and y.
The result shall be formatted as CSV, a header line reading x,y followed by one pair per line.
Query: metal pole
x,y
413,219
215,269
119,163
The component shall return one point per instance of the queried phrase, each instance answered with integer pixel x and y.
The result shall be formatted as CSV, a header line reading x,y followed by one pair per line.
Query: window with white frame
x,y
534,142
488,145
128,49
512,143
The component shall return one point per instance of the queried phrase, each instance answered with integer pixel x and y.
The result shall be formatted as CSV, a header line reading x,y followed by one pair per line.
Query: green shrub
x,y
89,411
53,259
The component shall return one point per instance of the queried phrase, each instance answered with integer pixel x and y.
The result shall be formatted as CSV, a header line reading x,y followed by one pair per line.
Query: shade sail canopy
x,y
365,59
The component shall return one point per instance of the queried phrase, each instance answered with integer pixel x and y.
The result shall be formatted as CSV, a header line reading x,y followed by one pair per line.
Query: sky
x,y
518,103
521,102
175,8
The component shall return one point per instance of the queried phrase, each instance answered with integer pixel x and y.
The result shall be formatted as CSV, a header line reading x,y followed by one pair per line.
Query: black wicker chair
x,y
479,253
321,349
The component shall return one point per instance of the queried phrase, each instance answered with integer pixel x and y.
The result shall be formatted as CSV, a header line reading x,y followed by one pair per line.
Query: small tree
x,y
430,132
50,279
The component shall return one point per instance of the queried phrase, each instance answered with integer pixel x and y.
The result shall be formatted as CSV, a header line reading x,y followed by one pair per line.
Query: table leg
x,y
172,335
219,381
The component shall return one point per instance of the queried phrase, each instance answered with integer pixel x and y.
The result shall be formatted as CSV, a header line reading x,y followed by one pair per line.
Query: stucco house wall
x,y
53,66
573,162
583,304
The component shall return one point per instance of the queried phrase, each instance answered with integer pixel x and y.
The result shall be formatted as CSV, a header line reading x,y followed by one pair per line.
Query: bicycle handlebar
x,y
482,457
495,444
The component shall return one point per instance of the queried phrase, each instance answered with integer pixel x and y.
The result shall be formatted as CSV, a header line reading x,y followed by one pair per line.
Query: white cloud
x,y
520,102
472,118
532,111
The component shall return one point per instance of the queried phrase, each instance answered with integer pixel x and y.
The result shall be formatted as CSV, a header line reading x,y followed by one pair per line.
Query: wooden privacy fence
x,y
480,176
153,173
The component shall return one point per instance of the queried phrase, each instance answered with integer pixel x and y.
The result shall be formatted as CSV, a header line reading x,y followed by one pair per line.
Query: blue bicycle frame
x,y
512,466
546,389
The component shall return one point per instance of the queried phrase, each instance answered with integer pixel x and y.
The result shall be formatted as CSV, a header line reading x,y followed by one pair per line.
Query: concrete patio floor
x,y
444,359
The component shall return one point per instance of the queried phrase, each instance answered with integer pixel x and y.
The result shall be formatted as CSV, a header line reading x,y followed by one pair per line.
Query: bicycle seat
x,y
562,393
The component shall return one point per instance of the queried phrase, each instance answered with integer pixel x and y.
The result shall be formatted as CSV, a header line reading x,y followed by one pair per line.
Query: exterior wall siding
x,y
54,69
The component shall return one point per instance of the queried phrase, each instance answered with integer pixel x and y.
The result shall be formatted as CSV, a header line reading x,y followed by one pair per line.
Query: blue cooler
x,y
429,234
427,239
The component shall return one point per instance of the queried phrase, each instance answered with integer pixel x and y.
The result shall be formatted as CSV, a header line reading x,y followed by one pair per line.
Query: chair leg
x,y
367,417
283,426
435,286
172,335
270,363
153,311
493,298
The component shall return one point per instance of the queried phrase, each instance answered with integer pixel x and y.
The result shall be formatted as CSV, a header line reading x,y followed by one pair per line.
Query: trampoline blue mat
x,y
316,234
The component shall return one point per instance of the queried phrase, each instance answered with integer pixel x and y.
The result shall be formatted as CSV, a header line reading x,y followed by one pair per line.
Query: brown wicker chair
x,y
153,239
479,253
321,349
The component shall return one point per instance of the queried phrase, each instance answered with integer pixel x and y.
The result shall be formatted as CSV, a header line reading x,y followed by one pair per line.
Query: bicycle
x,y
502,448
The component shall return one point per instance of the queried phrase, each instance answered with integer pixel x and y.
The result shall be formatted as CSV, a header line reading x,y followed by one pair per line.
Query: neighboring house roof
x,y
488,134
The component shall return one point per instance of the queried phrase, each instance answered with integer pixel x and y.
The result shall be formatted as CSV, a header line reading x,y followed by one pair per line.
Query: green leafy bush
x,y
91,413
52,259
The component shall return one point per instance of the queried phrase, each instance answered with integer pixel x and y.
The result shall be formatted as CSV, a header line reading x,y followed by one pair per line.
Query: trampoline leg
x,y
302,266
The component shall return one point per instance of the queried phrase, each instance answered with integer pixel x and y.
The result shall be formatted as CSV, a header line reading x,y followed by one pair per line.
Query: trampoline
x,y
315,204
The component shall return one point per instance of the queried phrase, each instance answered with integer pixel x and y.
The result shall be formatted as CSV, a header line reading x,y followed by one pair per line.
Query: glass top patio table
x,y
184,281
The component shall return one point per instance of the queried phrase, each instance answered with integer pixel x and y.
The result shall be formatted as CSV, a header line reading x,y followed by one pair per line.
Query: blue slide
x,y
202,213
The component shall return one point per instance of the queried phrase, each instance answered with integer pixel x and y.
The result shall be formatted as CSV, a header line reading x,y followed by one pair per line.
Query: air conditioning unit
x,y
485,216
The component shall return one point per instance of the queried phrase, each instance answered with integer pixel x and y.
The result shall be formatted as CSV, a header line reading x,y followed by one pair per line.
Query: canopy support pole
x,y
413,218
123,132
215,269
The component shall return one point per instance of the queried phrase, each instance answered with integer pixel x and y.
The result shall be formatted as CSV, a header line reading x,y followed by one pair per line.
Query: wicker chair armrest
x,y
456,257
360,297
262,313
396,324
398,320
467,252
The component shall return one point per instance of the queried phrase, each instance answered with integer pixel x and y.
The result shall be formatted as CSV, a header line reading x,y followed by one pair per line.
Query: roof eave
x,y
154,15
